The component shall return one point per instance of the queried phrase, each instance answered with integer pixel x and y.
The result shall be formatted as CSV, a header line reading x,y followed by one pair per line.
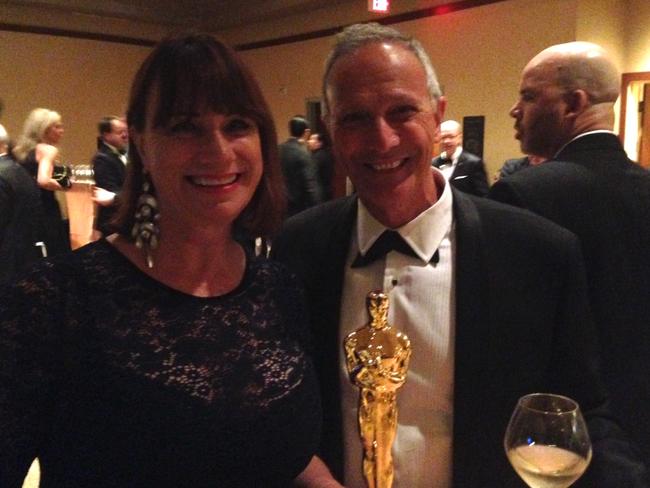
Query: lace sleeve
x,y
30,318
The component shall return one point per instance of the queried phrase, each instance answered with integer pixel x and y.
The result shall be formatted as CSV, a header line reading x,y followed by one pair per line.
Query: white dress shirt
x,y
421,298
448,169
122,155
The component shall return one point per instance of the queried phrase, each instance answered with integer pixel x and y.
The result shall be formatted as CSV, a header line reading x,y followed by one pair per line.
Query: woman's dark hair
x,y
187,73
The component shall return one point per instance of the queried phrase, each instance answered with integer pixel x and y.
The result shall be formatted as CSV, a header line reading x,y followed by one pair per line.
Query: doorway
x,y
635,116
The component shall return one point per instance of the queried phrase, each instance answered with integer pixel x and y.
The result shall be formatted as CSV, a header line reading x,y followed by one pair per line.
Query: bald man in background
x,y
565,113
464,170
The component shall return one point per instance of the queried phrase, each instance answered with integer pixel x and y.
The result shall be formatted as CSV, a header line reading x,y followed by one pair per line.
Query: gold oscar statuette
x,y
377,358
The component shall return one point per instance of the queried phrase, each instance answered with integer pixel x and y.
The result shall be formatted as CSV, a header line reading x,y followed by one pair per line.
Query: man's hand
x,y
103,197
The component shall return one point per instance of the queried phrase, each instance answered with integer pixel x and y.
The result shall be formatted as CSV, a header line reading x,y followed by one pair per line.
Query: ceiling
x,y
213,15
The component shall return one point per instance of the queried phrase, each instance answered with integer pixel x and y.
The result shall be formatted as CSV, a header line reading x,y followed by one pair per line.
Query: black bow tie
x,y
445,162
388,241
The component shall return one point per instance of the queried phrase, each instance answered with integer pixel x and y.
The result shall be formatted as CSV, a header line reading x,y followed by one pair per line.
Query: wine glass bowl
x,y
547,441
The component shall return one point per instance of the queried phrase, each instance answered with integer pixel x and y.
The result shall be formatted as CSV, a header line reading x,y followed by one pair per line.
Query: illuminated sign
x,y
382,6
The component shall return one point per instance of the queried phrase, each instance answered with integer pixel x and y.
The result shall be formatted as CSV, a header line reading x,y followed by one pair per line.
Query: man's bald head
x,y
451,136
566,90
581,66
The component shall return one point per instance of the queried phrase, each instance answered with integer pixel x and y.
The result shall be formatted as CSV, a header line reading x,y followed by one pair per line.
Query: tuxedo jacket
x,y
522,326
110,173
300,177
511,166
469,174
595,191
21,219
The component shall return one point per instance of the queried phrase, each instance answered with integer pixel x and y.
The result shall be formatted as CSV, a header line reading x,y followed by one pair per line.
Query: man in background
x,y
565,113
511,166
109,165
298,168
464,170
20,215
321,154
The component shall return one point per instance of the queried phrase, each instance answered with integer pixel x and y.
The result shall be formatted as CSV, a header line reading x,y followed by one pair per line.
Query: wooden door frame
x,y
626,80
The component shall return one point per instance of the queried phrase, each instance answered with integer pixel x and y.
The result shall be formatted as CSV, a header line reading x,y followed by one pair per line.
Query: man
x,y
565,112
324,161
491,297
464,170
298,168
511,166
20,215
109,164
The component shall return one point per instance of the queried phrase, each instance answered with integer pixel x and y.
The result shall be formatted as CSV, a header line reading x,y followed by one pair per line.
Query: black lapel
x,y
471,341
325,290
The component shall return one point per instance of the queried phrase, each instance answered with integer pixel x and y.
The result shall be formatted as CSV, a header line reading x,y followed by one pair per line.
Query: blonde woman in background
x,y
37,151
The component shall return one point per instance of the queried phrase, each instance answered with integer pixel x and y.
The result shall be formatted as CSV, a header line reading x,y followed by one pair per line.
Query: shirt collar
x,y
424,233
454,157
113,148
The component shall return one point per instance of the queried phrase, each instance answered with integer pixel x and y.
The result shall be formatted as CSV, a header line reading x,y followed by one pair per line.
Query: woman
x,y
37,151
165,355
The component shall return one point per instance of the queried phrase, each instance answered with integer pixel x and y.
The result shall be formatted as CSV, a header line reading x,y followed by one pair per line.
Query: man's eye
x,y
403,112
353,119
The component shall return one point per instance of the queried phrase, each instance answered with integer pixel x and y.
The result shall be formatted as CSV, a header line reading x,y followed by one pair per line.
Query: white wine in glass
x,y
547,441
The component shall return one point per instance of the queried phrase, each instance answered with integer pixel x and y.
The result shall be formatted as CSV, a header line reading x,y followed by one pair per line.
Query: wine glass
x,y
547,441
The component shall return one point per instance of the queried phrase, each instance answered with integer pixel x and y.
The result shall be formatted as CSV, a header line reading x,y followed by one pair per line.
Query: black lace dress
x,y
115,380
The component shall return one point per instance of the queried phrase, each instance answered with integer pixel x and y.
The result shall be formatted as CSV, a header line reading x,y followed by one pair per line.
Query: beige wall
x,y
478,54
289,75
603,22
82,80
637,36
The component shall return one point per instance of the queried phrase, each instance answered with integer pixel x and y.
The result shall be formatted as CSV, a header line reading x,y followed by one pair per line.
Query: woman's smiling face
x,y
205,166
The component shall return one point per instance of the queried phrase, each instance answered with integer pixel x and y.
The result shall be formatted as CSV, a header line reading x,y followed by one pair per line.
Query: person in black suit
x,y
109,165
21,218
464,170
324,162
511,166
593,189
492,297
298,168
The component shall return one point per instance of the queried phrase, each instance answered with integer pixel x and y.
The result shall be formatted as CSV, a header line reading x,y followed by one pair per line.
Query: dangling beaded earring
x,y
145,230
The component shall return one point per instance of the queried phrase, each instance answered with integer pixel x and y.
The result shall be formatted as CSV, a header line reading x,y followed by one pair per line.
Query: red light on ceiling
x,y
379,6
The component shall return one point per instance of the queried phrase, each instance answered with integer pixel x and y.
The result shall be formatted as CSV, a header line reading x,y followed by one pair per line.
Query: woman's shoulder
x,y
44,149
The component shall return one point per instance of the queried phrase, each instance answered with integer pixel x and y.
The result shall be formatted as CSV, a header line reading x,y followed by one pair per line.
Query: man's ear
x,y
441,106
577,102
439,115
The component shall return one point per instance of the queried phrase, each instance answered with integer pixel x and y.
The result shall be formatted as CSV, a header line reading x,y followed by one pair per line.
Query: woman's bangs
x,y
200,81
